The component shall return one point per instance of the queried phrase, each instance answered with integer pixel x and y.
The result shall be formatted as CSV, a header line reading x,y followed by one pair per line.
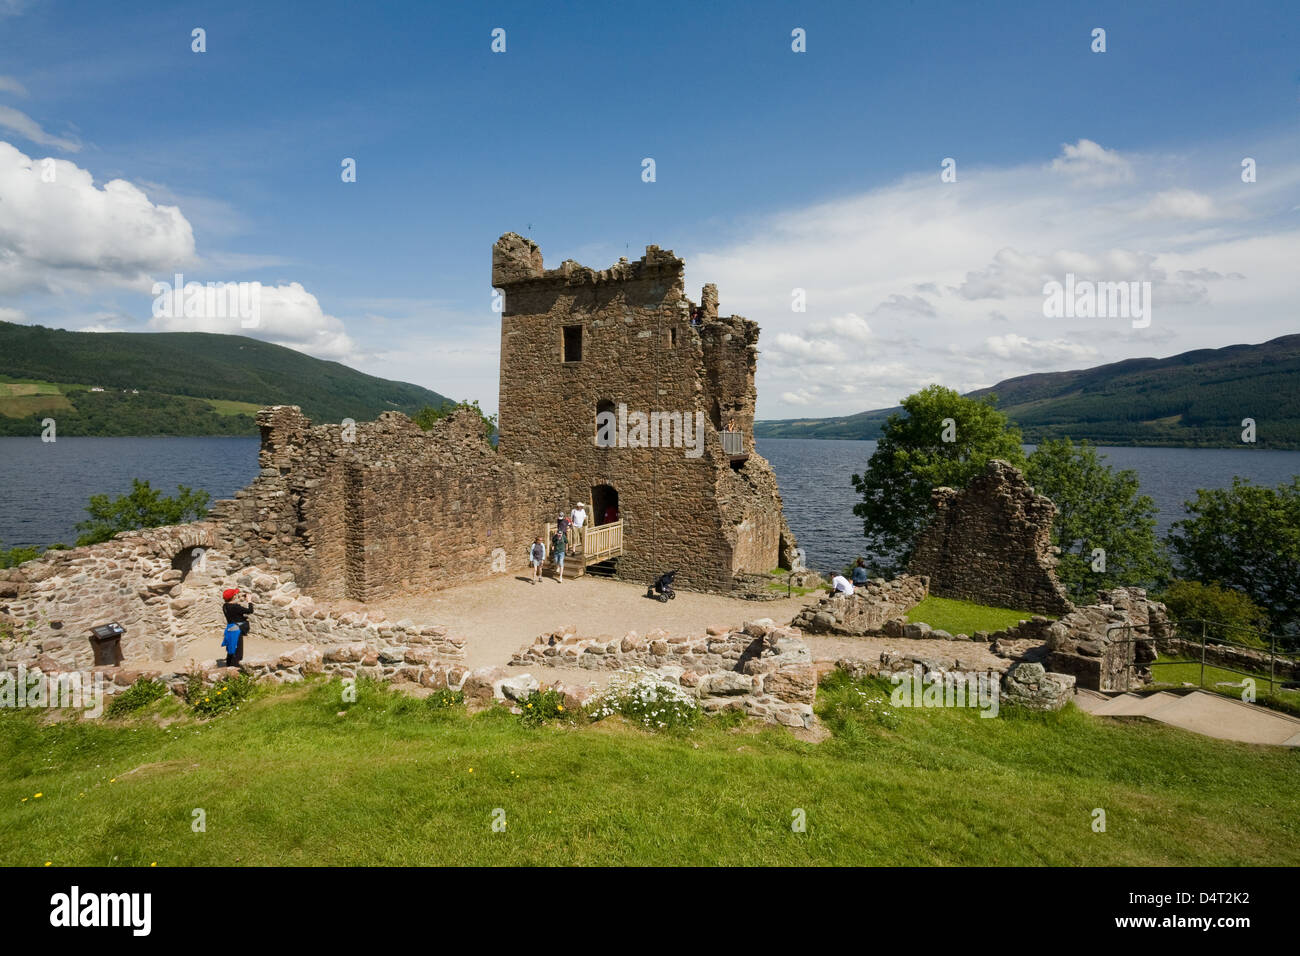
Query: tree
x,y
144,507
1231,615
1246,537
942,439
12,557
1105,529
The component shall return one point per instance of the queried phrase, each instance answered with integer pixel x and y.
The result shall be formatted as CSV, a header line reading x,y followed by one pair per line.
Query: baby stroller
x,y
662,589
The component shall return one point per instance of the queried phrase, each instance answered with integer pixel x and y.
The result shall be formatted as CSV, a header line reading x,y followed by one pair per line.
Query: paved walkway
x,y
1201,712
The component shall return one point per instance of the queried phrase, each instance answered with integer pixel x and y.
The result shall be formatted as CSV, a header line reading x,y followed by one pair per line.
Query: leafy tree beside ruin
x,y
942,439
1246,537
1105,529
144,507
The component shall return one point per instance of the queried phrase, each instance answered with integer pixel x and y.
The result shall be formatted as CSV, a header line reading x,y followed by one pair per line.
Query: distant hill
x,y
1190,400
176,383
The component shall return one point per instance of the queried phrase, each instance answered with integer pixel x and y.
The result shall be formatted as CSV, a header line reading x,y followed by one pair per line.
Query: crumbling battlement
x,y
991,543
576,342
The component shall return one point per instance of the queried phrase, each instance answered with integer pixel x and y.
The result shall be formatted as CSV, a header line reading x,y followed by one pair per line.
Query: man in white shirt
x,y
577,518
842,584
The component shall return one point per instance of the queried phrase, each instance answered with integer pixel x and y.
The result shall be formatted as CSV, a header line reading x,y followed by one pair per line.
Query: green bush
x,y
646,699
543,705
224,695
445,699
1242,620
140,694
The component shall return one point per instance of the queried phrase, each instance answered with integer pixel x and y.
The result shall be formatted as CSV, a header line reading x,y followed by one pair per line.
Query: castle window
x,y
606,424
572,343
672,338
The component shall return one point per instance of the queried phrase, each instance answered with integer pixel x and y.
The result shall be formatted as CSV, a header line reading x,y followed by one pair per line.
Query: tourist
x,y
841,584
537,554
860,573
558,542
230,640
578,518
236,614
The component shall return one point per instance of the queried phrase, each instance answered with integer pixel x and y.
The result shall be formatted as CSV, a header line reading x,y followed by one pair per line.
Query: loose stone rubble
x,y
764,670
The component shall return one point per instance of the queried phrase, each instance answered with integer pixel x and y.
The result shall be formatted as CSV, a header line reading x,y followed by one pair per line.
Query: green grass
x,y
963,617
227,407
1177,671
286,780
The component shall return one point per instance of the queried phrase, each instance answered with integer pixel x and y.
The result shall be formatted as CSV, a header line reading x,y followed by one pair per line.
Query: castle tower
x,y
608,384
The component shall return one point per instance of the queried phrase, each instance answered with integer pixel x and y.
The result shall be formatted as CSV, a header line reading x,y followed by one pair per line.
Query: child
x,y
537,554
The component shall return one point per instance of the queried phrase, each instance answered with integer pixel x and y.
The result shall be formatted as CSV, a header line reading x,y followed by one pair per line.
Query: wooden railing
x,y
602,542
733,443
599,542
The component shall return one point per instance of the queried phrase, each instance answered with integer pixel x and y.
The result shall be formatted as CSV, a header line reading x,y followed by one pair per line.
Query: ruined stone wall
x,y
641,355
990,543
867,610
170,612
376,508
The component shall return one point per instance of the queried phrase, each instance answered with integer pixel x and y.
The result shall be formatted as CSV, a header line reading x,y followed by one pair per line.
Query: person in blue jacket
x,y
230,641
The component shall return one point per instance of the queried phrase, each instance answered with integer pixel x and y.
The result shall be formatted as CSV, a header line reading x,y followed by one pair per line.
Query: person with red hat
x,y
236,614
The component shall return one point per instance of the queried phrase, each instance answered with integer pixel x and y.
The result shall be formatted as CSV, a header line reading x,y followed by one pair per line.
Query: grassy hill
x,y
176,383
1193,399
295,778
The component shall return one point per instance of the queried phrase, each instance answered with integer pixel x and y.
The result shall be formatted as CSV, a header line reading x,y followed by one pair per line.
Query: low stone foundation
x,y
762,669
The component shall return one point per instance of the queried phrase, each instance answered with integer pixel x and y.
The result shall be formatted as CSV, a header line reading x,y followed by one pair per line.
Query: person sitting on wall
x,y
236,614
840,584
697,316
860,573
577,518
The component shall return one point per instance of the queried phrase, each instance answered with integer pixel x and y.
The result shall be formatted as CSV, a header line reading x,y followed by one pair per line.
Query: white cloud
x,y
1089,164
70,234
289,316
1178,204
1038,350
936,267
12,315
16,121
9,84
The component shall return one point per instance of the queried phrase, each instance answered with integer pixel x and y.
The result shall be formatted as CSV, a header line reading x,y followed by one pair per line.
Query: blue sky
x,y
775,170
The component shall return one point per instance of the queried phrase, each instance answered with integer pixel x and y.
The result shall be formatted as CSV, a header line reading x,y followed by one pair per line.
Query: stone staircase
x,y
1201,712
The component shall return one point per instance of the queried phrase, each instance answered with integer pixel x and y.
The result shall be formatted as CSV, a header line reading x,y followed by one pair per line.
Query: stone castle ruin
x,y
344,515
991,543
676,460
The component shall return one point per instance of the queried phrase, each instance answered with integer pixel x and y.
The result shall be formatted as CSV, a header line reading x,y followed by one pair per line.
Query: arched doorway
x,y
604,504
187,559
